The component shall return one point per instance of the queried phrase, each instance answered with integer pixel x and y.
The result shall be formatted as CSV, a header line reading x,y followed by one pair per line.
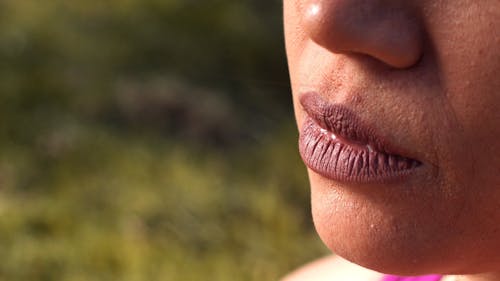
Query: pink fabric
x,y
415,278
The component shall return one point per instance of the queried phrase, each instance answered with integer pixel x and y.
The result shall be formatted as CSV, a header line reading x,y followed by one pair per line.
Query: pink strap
x,y
415,278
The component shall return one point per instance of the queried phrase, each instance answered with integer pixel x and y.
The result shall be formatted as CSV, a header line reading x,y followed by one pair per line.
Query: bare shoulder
x,y
332,268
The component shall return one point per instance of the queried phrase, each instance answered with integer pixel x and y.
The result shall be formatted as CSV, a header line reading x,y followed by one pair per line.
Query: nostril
x,y
388,33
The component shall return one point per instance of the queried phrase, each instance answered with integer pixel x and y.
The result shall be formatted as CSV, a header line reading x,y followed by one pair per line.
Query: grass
x,y
93,204
111,158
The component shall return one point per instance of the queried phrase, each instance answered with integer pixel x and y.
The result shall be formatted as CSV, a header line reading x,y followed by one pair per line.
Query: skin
x,y
425,74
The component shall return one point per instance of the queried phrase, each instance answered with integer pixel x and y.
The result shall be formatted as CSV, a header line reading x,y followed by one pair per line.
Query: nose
x,y
387,30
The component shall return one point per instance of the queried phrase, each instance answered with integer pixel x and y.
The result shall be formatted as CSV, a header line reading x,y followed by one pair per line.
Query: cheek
x,y
470,71
468,60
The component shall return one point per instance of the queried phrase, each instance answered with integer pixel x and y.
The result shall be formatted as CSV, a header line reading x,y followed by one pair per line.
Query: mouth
x,y
336,144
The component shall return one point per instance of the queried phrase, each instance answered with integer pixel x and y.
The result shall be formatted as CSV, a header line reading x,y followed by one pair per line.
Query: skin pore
x,y
425,75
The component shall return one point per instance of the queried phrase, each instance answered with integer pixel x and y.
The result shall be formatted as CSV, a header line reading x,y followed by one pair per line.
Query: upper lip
x,y
344,123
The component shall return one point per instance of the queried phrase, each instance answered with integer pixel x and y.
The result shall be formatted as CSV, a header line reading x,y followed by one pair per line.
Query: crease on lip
x,y
343,122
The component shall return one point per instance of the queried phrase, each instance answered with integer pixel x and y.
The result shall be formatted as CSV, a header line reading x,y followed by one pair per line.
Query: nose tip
x,y
386,30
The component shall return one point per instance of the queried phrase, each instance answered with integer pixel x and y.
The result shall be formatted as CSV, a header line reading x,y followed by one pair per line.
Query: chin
x,y
382,228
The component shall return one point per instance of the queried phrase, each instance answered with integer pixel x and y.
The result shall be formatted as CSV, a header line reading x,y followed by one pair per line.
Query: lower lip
x,y
344,161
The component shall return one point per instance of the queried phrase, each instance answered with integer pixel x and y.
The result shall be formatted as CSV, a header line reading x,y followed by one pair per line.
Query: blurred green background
x,y
148,140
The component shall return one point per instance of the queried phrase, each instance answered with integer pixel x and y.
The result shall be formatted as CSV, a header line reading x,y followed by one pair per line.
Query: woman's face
x,y
398,108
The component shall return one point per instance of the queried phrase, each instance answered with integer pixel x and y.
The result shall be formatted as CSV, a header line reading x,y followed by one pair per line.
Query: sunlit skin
x,y
425,75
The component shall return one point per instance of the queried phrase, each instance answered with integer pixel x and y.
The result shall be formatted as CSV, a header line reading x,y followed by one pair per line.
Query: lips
x,y
336,144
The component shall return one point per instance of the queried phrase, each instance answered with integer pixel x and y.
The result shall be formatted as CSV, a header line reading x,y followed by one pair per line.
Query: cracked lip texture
x,y
336,144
